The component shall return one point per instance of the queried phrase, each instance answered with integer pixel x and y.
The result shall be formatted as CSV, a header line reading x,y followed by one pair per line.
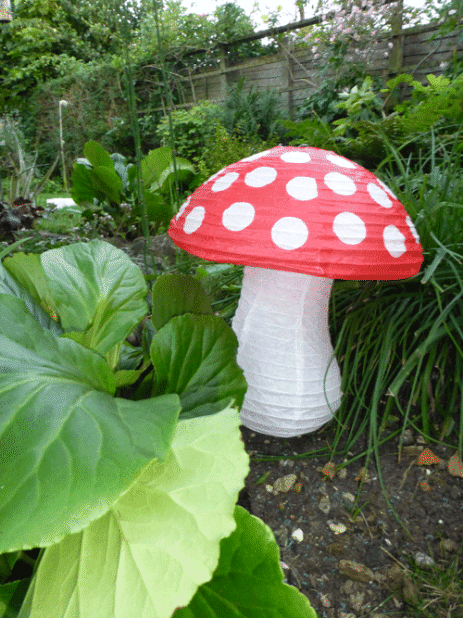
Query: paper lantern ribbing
x,y
297,218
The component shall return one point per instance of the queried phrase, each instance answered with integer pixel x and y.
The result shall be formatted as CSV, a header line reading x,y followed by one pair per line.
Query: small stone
x,y
325,600
336,549
356,600
408,437
455,466
362,475
342,614
284,483
269,488
427,458
324,504
348,497
329,470
297,535
348,587
449,545
409,591
356,571
412,451
342,473
337,528
424,486
423,561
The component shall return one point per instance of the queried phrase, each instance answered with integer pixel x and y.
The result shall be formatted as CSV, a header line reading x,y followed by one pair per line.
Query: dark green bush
x,y
252,114
192,129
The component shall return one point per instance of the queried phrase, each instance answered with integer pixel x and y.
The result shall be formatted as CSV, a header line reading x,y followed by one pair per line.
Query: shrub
x,y
191,129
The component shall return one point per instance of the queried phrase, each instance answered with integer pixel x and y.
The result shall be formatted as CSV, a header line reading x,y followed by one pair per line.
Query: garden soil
x,y
342,545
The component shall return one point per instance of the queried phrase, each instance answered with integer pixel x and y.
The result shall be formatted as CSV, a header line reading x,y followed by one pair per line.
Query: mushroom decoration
x,y
297,218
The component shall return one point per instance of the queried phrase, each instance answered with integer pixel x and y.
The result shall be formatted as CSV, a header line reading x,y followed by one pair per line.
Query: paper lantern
x,y
297,218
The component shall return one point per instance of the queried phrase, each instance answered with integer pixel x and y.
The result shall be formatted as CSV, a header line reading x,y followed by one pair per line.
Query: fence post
x,y
286,74
223,74
5,11
396,55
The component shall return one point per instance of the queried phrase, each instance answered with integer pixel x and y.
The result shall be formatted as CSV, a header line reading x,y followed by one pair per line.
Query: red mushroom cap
x,y
302,210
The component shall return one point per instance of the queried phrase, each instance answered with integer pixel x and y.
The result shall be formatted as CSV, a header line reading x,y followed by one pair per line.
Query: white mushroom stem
x,y
285,351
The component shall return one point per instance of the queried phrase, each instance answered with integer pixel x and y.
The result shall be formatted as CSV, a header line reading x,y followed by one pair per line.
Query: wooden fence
x,y
295,73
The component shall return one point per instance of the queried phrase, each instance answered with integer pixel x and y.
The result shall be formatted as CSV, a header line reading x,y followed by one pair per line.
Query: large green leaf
x,y
27,270
159,170
248,582
9,285
106,183
176,294
155,162
82,191
183,171
68,448
96,289
152,550
97,155
194,356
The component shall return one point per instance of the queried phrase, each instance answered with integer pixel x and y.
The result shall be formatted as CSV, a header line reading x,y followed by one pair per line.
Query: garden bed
x,y
321,530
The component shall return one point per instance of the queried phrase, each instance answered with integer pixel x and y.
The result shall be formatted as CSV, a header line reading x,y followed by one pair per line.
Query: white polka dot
x,y
260,177
181,210
216,175
340,161
289,233
412,228
378,195
295,157
340,184
225,182
349,228
238,216
194,220
394,241
302,188
386,188
259,155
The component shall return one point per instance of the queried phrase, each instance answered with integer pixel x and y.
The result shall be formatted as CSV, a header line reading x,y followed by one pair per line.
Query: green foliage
x,y
366,124
19,164
224,149
101,182
252,114
136,493
410,374
44,36
191,129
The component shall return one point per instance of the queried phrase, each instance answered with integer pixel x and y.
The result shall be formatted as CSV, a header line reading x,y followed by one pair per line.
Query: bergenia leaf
x,y
160,542
248,582
68,448
106,183
96,289
176,294
9,285
97,155
82,191
194,356
28,272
